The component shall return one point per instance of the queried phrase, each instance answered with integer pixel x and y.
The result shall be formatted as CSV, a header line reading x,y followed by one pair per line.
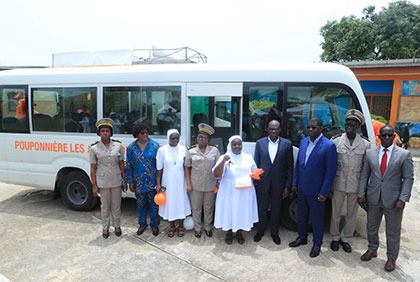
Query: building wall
x,y
402,84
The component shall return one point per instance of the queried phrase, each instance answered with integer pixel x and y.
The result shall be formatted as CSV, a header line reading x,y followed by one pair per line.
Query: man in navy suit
x,y
275,156
315,170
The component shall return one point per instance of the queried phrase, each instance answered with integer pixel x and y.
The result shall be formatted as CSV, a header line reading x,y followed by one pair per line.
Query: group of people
x,y
237,191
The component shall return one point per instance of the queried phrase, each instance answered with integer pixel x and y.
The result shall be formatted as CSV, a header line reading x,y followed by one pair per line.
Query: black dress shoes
x,y
258,237
155,231
105,234
209,233
298,242
276,239
335,245
140,230
346,246
315,251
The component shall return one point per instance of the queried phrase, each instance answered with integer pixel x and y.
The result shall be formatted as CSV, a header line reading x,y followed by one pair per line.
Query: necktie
x,y
383,161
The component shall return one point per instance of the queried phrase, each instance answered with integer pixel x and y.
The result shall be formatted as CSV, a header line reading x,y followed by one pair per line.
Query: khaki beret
x,y
205,128
356,115
105,122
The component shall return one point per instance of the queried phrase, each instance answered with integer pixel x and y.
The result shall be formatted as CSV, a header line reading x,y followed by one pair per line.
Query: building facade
x,y
392,90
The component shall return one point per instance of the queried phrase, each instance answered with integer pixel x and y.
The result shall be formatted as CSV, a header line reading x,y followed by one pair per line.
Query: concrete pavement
x,y
41,240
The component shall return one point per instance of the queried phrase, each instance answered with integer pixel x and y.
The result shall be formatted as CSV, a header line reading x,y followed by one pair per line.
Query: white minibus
x,y
48,115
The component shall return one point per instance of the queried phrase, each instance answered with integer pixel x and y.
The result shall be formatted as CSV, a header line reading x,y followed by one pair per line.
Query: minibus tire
x,y
289,216
76,192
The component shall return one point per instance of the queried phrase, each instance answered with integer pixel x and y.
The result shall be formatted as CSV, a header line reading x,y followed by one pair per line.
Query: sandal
x,y
229,238
180,231
197,234
171,232
240,238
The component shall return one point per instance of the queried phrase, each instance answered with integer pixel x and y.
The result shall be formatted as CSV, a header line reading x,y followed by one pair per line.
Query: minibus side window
x,y
329,103
14,109
68,109
159,107
262,102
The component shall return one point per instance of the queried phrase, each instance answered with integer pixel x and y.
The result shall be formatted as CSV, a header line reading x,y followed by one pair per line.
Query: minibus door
x,y
217,104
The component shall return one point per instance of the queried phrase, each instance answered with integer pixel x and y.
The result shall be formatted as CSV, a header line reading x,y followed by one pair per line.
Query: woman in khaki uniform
x,y
107,174
198,165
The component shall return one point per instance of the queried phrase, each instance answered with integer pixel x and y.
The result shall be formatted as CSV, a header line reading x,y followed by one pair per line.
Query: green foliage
x,y
378,118
261,104
393,33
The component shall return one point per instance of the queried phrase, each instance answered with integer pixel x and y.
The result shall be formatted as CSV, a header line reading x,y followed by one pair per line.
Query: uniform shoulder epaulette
x,y
193,146
336,136
116,140
214,145
94,143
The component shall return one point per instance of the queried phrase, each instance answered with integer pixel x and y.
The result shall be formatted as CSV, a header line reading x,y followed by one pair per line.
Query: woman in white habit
x,y
170,174
236,202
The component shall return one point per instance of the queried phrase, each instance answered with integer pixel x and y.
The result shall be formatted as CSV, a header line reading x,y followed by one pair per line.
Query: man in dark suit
x,y
385,186
275,156
313,177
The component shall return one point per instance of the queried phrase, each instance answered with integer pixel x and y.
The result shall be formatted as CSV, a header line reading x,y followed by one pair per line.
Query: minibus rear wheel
x,y
76,192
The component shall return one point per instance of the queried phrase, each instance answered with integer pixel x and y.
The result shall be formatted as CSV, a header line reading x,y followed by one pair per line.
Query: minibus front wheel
x,y
76,191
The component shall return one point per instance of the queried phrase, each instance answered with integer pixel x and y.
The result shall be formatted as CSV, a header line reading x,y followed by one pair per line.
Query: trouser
x,y
202,201
393,221
310,204
110,207
351,216
264,200
145,200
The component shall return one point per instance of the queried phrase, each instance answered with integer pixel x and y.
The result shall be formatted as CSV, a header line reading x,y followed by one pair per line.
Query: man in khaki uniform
x,y
351,149
199,161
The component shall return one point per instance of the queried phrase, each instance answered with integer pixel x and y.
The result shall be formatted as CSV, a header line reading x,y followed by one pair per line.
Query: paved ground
x,y
41,240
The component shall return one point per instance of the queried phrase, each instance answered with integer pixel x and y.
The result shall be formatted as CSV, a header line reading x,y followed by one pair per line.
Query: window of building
x,y
379,105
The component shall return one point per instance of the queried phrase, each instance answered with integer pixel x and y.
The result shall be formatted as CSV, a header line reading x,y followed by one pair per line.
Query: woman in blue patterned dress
x,y
141,176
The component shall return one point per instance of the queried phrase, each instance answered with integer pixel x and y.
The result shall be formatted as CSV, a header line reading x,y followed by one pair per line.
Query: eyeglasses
x,y
387,135
144,132
273,129
312,127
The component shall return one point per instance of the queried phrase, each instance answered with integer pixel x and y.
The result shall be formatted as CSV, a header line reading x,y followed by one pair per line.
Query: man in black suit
x,y
275,156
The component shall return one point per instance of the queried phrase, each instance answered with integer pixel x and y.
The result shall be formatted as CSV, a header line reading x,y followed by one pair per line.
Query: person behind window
x,y
236,202
85,122
107,175
117,122
170,174
199,161
141,176
73,124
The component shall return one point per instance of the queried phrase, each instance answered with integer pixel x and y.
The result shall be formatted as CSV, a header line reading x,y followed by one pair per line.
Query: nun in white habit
x,y
236,202
170,174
